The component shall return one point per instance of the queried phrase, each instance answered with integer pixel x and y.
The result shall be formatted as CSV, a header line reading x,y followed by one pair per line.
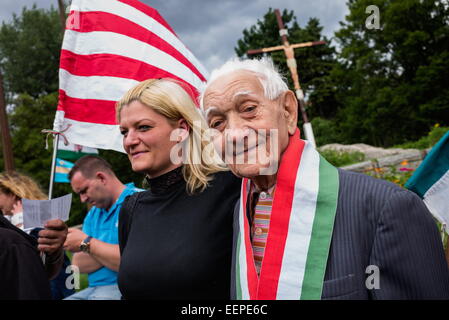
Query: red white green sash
x,y
300,232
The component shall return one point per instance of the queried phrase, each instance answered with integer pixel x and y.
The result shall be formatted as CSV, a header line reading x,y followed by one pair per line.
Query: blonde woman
x,y
176,237
22,274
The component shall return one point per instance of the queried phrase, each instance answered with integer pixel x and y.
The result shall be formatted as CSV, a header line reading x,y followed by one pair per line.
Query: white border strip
x,y
436,200
243,267
300,226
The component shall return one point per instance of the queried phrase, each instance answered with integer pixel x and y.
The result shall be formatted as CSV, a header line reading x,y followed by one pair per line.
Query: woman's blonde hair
x,y
168,98
21,186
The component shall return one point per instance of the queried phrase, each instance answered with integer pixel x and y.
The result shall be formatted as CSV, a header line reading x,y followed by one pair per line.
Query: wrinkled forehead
x,y
228,87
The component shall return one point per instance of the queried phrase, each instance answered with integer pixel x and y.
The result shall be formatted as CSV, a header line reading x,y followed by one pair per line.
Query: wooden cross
x,y
292,65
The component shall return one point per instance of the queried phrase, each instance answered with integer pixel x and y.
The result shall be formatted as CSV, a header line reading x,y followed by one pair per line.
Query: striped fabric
x,y
260,227
109,46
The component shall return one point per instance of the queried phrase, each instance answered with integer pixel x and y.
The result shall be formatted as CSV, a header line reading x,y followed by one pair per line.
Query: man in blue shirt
x,y
96,250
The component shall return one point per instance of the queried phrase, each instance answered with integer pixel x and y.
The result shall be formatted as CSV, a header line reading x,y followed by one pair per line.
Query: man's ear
x,y
290,110
101,176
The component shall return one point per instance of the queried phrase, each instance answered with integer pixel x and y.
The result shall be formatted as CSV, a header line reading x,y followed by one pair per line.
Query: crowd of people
x,y
237,206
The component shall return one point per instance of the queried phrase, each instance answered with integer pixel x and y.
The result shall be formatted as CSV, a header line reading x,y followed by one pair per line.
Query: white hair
x,y
271,80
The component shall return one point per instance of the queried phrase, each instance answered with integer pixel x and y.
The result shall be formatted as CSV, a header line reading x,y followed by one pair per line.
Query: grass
x,y
340,158
434,135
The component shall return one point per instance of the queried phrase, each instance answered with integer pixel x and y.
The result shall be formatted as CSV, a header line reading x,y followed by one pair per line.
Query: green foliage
x,y
393,83
29,51
340,158
324,130
434,135
29,116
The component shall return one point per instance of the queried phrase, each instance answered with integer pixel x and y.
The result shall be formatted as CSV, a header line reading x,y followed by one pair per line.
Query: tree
x,y
29,52
314,63
393,82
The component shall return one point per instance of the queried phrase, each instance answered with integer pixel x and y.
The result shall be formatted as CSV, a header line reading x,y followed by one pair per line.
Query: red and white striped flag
x,y
109,46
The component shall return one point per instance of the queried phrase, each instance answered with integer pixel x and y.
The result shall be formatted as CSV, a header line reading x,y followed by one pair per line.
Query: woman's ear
x,y
290,111
185,129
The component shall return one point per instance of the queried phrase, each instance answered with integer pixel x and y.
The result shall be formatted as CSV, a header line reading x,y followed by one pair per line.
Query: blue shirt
x,y
102,224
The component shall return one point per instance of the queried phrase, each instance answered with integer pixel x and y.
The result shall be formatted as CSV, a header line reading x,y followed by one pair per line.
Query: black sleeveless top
x,y
178,246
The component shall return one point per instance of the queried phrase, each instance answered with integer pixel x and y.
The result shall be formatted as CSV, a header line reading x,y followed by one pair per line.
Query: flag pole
x,y
53,166
62,17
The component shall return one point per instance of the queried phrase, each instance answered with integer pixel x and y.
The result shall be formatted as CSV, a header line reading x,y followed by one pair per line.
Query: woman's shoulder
x,y
224,182
130,201
10,238
227,178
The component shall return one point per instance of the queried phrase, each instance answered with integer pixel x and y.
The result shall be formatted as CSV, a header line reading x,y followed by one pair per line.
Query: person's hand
x,y
52,238
74,239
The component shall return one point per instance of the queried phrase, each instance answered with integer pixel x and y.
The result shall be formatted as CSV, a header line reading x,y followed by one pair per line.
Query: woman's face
x,y
7,202
146,139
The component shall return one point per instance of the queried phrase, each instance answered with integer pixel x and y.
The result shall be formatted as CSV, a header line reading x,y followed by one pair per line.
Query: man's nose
x,y
235,134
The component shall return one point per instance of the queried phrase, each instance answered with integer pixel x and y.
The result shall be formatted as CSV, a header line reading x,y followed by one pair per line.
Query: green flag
x,y
73,152
431,181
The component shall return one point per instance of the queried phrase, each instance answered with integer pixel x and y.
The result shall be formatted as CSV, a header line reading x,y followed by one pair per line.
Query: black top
x,y
22,274
174,245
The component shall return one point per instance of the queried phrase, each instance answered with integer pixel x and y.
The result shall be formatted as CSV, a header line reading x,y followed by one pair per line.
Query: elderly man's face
x,y
253,131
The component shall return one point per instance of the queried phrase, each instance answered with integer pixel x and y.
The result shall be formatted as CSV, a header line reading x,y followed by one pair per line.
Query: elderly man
x,y
96,249
304,229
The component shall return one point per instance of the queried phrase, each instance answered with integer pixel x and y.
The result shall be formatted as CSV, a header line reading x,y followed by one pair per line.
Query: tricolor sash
x,y
301,225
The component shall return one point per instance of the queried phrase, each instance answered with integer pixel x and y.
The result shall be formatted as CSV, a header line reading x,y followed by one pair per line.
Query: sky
x,y
211,28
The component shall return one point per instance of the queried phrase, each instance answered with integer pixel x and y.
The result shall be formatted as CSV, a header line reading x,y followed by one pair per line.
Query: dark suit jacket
x,y
382,225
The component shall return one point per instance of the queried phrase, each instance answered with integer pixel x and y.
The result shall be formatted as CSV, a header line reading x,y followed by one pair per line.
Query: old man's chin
x,y
254,170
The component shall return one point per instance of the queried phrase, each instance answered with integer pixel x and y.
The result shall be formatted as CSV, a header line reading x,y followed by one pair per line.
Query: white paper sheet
x,y
37,212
